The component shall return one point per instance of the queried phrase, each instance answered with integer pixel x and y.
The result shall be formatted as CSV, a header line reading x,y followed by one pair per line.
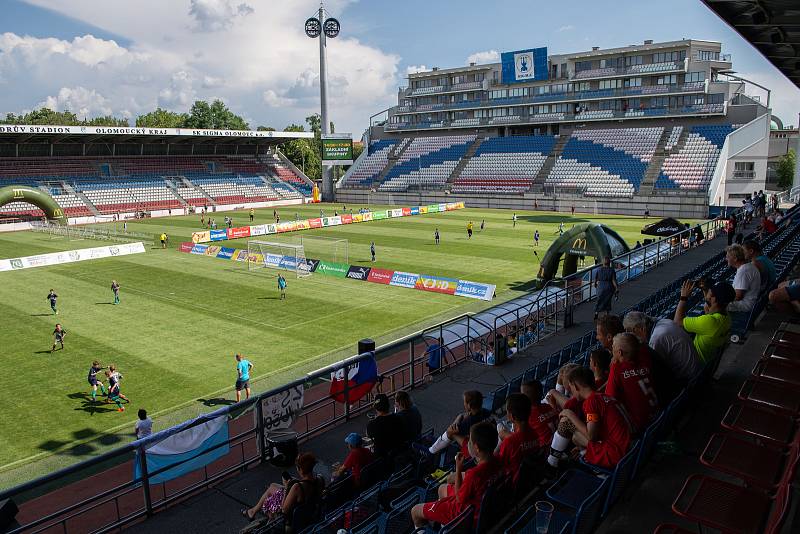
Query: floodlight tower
x,y
321,28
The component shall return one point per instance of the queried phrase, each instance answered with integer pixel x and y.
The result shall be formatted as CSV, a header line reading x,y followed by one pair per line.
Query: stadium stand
x,y
145,183
427,162
692,167
504,164
372,164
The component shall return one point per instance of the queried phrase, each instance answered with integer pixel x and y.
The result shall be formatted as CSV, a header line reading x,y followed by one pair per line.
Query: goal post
x,y
277,255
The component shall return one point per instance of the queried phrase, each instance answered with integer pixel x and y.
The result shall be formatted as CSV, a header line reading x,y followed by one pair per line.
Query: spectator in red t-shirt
x,y
520,442
604,432
600,364
559,396
630,381
357,459
467,489
543,418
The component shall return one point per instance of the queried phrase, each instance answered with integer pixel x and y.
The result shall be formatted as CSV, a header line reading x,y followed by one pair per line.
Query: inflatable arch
x,y
585,239
37,197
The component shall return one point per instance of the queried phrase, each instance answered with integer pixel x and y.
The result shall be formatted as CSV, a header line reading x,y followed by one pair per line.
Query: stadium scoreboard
x,y
337,149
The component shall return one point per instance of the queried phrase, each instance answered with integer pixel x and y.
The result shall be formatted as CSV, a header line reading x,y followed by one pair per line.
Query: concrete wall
x,y
682,205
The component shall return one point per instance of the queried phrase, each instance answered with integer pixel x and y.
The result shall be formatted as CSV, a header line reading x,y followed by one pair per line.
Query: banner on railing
x,y
70,256
191,449
281,409
361,378
319,222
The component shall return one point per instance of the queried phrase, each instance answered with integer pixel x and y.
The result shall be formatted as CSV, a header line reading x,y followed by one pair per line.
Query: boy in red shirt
x,y
630,381
467,489
522,441
543,418
357,459
605,433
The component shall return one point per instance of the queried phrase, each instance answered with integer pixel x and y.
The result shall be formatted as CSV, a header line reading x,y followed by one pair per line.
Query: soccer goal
x,y
277,255
581,205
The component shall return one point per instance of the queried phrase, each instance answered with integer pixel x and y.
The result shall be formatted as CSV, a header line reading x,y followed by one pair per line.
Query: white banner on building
x,y
523,66
70,256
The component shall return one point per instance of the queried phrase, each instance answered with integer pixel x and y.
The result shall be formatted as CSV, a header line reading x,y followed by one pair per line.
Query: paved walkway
x,y
217,510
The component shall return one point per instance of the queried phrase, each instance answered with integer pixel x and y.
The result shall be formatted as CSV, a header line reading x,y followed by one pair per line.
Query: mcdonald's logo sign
x,y
578,246
19,193
58,213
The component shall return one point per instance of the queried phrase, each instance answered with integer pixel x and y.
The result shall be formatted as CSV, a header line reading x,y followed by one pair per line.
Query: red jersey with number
x,y
544,421
473,486
631,384
614,435
515,447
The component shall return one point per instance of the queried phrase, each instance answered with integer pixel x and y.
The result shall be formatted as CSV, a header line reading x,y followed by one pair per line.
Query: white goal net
x,y
582,205
333,249
277,255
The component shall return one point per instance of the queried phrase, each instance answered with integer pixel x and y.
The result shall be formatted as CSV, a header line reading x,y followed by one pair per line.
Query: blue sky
x,y
98,56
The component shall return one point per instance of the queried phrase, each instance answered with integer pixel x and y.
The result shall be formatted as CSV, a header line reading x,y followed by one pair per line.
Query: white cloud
x,y
85,103
567,28
413,69
481,58
217,15
258,59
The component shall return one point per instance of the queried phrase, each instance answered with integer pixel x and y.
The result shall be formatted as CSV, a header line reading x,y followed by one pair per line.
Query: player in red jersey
x,y
468,489
605,432
522,441
600,364
630,381
543,418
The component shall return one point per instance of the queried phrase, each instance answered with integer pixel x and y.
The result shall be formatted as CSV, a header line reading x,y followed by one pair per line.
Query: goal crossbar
x,y
277,255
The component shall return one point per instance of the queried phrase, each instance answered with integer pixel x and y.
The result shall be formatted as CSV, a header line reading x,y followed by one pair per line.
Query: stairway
x,y
544,172
471,149
394,154
174,191
69,189
654,169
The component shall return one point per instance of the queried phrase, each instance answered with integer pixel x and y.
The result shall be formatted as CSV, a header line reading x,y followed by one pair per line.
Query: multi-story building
x,y
636,122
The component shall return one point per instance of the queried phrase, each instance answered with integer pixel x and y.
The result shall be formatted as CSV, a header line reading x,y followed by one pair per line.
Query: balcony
x,y
586,116
599,94
633,70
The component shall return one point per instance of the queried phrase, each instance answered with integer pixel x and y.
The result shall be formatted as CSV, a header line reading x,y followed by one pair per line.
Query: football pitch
x,y
182,317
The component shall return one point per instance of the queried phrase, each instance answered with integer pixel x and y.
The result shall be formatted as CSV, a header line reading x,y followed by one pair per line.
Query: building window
x,y
583,65
669,79
707,55
695,77
744,170
633,82
610,84
633,60
667,57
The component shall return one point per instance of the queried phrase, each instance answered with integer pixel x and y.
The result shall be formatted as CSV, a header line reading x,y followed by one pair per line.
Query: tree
x,y
214,116
785,169
265,129
302,153
108,120
48,117
161,118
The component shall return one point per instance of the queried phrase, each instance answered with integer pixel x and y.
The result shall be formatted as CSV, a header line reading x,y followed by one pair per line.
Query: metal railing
x,y
58,501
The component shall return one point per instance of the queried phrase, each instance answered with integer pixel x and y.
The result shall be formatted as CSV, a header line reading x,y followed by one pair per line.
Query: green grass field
x,y
182,317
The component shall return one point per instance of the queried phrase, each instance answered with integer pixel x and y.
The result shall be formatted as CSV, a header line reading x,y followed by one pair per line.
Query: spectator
x,y
501,348
543,418
409,415
630,381
458,431
559,396
144,426
436,356
766,269
786,297
600,364
712,328
520,442
767,227
671,344
698,234
602,431
605,280
606,327
512,343
746,281
283,498
386,430
358,457
467,489
730,228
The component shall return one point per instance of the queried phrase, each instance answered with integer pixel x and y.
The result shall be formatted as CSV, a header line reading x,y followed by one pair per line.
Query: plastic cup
x,y
544,513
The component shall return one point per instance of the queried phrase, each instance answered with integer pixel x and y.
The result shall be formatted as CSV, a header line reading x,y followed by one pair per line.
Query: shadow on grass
x,y
268,298
42,314
219,401
530,285
43,351
552,219
99,303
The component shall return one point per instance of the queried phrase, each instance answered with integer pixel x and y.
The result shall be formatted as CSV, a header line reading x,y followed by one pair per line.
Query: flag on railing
x,y
191,449
361,378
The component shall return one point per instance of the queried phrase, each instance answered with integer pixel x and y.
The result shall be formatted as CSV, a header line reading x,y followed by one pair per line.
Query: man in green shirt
x,y
711,329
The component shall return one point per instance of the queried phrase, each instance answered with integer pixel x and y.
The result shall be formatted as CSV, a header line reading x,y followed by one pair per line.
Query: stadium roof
x,y
772,26
10,133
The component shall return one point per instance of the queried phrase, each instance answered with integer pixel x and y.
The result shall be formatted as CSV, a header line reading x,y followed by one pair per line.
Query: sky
x,y
99,57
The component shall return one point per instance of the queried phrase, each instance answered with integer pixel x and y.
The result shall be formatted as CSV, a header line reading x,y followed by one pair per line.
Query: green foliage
x,y
785,169
265,129
161,118
306,153
46,116
214,116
